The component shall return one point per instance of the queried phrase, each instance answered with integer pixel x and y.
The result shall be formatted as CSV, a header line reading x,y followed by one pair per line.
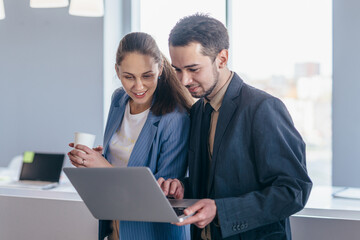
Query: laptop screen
x,y
42,167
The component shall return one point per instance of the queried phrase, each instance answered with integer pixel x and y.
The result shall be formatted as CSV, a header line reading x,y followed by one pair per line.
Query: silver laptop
x,y
130,194
39,170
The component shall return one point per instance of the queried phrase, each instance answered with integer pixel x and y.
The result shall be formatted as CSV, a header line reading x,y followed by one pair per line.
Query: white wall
x,y
51,75
346,93
117,23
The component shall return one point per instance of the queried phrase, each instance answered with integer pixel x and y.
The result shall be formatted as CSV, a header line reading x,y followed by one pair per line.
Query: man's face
x,y
198,73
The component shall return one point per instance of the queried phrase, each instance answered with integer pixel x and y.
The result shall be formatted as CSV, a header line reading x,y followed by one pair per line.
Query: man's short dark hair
x,y
201,28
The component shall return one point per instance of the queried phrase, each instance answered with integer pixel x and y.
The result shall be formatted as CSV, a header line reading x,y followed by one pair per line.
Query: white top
x,y
123,141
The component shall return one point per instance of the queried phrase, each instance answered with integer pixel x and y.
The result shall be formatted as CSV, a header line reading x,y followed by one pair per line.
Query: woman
x,y
148,125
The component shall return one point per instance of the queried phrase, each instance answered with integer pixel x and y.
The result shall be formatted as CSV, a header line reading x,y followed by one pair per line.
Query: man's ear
x,y
223,57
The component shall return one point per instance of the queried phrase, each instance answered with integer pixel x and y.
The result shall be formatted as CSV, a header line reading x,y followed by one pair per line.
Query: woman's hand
x,y
171,187
82,156
98,149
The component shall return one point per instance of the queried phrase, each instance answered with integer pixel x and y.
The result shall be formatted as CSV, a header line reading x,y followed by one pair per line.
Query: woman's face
x,y
139,76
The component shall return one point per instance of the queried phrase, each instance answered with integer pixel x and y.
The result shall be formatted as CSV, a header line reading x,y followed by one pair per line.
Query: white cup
x,y
86,139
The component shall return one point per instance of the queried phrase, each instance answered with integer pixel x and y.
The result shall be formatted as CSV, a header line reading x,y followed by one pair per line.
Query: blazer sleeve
x,y
279,155
172,162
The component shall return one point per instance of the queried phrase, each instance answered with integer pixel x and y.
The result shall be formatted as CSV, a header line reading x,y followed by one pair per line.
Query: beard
x,y
211,88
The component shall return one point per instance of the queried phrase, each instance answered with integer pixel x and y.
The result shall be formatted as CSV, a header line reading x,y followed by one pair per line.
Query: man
x,y
246,159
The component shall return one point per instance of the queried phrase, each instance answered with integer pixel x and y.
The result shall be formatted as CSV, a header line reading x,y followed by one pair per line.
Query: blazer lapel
x,y
115,119
140,152
227,109
194,160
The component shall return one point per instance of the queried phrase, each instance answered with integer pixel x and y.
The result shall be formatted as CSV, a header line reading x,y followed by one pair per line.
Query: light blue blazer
x,y
162,146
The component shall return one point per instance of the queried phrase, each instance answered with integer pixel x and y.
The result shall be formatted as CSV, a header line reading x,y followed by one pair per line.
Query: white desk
x,y
325,217
60,214
57,214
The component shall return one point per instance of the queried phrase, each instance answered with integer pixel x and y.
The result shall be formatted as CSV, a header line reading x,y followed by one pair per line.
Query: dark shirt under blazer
x,y
258,174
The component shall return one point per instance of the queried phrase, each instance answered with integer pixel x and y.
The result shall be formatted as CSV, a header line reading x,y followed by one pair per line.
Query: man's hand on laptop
x,y
172,188
204,212
82,156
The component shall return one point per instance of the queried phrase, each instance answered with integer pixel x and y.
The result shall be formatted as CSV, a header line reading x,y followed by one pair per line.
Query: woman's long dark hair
x,y
169,93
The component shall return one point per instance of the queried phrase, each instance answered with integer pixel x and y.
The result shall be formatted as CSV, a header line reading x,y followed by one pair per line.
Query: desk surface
x,y
327,218
57,214
48,214
322,204
65,191
55,194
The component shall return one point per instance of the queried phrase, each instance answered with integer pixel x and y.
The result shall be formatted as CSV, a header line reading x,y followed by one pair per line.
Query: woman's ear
x,y
117,70
161,68
223,58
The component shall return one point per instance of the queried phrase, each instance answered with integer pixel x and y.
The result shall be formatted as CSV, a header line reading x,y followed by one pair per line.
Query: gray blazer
x,y
258,174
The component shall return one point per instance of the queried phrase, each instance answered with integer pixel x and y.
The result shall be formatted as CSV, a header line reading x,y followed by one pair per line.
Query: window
x,y
158,17
285,48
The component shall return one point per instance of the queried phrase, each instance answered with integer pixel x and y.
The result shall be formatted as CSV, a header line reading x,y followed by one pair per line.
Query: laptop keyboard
x,y
179,210
32,183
